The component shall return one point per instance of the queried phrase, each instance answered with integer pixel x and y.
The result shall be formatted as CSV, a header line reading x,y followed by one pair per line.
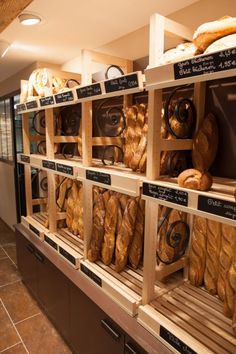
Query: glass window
x,y
6,143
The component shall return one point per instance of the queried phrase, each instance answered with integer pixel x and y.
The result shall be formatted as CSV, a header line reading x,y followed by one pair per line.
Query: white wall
x,y
7,194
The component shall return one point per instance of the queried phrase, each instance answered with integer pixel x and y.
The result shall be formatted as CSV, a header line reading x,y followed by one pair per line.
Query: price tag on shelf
x,y
91,274
217,207
66,96
67,255
46,101
20,107
49,164
65,169
175,342
100,177
164,193
122,83
25,158
52,243
32,104
35,231
206,64
89,91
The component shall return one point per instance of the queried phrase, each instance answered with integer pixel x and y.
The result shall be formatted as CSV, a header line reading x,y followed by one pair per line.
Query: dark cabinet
x,y
131,347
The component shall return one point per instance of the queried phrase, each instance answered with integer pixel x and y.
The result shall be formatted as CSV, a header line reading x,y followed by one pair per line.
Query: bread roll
x,y
125,235
205,144
108,245
212,256
209,32
227,252
136,247
197,254
95,247
194,179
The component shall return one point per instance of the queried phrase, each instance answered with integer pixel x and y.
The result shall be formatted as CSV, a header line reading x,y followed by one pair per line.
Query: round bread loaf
x,y
222,44
209,32
182,52
194,179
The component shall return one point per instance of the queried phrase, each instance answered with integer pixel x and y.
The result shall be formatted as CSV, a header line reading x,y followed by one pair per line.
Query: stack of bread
x,y
212,261
118,229
135,134
209,37
74,209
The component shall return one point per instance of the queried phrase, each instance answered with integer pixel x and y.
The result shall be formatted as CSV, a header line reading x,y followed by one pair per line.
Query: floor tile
x,y
17,349
11,251
8,272
36,328
2,253
7,237
8,334
18,302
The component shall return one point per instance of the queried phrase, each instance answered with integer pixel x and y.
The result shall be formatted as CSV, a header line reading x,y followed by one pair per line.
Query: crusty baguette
x,y
212,256
197,254
130,134
108,245
136,247
95,247
141,148
124,237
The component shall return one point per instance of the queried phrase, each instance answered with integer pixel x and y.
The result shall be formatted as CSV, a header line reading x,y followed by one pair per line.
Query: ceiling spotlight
x,y
29,19
4,46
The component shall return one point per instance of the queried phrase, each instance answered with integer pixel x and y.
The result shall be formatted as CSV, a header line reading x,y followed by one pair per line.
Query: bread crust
x,y
195,179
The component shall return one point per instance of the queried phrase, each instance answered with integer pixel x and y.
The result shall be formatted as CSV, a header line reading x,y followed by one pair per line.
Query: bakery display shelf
x,y
35,223
73,241
217,204
218,65
41,217
188,318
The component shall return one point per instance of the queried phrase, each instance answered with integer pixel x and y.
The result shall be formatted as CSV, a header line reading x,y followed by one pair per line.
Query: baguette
x,y
136,247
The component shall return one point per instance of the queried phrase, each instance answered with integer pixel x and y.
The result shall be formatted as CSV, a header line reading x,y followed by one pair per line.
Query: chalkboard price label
x,y
89,91
20,107
100,177
91,274
31,104
164,193
122,83
64,97
67,255
175,342
25,158
49,164
50,242
65,169
206,64
46,101
36,231
217,207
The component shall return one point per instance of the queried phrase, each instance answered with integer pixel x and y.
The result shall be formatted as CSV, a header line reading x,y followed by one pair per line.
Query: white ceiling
x,y
71,25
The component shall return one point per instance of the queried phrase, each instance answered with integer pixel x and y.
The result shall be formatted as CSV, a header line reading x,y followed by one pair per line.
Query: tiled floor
x,y
24,328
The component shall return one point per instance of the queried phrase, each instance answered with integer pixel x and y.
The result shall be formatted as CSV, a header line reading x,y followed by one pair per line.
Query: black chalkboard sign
x,y
31,104
122,83
217,206
25,158
100,177
89,91
52,243
20,107
46,101
32,228
91,274
65,169
64,97
67,255
206,64
175,342
163,193
49,164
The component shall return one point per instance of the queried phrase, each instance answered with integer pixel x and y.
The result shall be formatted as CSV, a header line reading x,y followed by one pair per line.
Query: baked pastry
x,y
222,44
136,247
197,254
183,51
212,256
95,247
194,179
228,243
209,32
205,144
125,235
108,245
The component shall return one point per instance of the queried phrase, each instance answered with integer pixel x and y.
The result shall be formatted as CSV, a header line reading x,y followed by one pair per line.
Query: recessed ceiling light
x,y
4,46
29,19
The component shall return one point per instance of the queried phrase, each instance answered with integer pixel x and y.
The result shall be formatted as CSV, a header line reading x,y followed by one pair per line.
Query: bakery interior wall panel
x,y
7,200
